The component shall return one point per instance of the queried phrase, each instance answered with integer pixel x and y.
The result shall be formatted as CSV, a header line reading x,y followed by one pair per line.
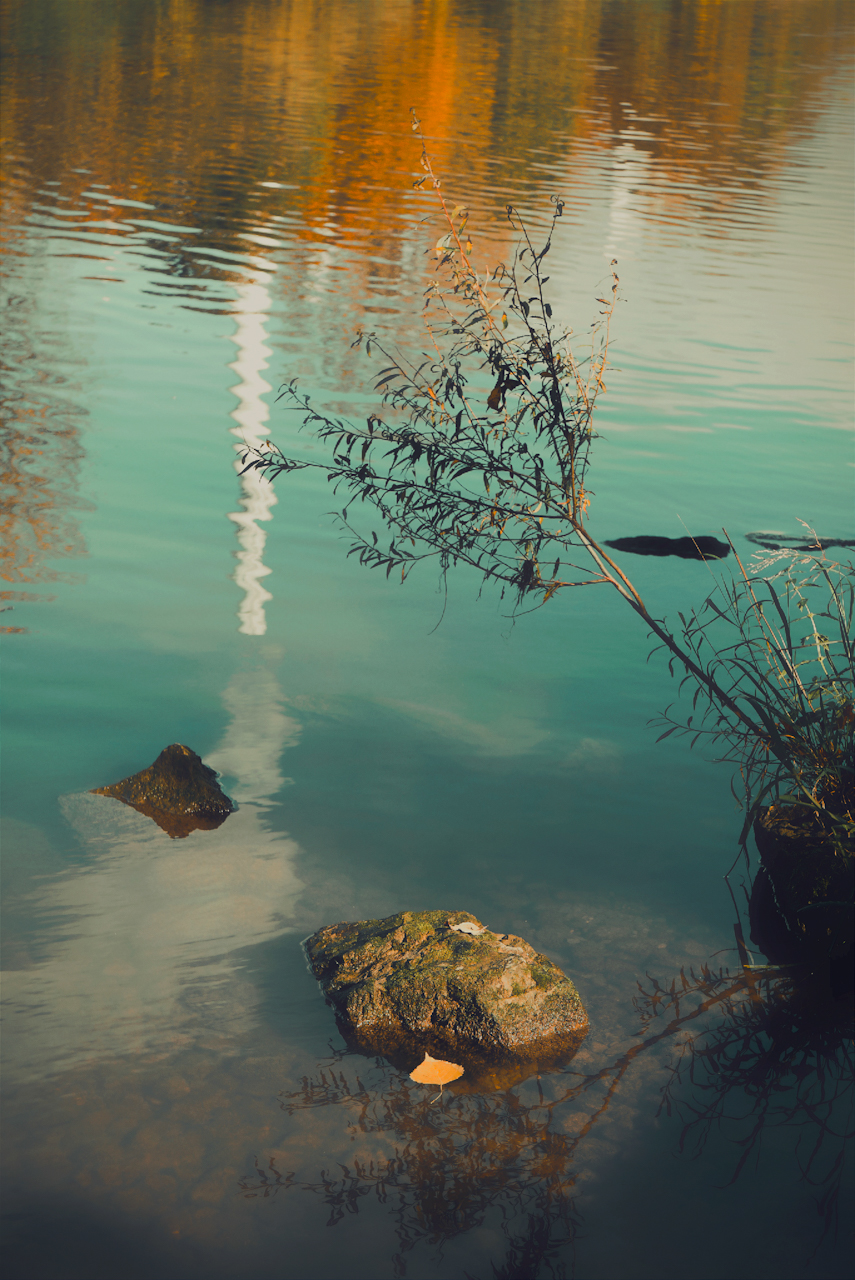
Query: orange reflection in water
x,y
189,106
40,454
181,99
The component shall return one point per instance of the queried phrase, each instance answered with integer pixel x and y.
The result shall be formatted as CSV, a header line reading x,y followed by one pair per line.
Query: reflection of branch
x,y
452,1166
794,1069
620,1066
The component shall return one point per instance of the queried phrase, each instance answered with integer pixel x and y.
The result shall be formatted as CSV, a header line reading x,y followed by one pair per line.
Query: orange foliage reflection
x,y
190,105
191,102
40,455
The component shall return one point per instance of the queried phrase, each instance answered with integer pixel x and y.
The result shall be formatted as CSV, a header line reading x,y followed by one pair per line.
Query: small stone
x,y
178,791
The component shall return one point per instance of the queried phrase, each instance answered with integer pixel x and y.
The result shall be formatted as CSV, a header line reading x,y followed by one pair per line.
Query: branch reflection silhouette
x,y
452,1165
781,1055
750,1051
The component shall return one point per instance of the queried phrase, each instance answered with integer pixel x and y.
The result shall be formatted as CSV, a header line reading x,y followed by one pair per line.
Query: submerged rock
x,y
775,541
701,548
430,981
179,792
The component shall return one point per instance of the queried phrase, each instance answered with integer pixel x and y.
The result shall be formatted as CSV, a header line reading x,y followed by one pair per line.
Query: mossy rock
x,y
178,791
416,980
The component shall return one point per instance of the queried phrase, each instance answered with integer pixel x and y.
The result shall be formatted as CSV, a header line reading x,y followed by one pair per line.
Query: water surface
x,y
204,200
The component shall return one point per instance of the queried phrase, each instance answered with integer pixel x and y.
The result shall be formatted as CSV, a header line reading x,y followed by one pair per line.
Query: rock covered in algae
x,y
178,791
441,979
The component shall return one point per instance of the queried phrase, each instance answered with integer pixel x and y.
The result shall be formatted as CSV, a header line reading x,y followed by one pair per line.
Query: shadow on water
x,y
750,1051
65,1240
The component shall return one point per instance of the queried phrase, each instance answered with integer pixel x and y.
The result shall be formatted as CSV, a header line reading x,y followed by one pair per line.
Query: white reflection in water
x,y
253,743
142,940
627,206
257,495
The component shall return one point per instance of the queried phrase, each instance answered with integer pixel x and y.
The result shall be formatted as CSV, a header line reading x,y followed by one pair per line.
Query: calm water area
x,y
203,200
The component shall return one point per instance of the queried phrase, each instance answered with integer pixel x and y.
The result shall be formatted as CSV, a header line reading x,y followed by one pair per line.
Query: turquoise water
x,y
158,1006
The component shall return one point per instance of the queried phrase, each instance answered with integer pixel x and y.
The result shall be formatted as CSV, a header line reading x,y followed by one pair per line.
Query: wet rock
x,y
417,982
179,792
701,548
801,904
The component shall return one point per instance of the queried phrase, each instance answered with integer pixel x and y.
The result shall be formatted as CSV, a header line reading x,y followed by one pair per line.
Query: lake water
x,y
204,200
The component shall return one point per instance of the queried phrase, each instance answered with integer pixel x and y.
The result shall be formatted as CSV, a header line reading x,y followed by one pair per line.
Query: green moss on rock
x,y
414,974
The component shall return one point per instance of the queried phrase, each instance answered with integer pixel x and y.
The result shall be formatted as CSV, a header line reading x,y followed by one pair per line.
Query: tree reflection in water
x,y
751,1049
452,1165
781,1055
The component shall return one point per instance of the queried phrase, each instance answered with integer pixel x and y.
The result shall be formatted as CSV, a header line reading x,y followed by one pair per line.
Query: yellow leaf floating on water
x,y
435,1071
